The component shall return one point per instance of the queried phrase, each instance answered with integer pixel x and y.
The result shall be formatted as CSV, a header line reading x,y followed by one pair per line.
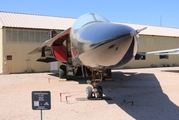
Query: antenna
x,y
161,20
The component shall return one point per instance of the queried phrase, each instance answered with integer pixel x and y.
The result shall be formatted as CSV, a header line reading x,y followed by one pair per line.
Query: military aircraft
x,y
93,44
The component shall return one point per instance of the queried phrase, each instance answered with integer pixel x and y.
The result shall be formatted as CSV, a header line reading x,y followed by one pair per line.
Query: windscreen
x,y
88,18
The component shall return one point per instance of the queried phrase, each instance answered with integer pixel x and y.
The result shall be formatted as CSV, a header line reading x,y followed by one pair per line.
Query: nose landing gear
x,y
96,91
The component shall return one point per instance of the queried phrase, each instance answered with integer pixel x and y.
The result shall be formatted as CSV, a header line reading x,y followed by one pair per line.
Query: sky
x,y
148,12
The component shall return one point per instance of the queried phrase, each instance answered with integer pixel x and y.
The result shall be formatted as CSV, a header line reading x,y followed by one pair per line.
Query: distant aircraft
x,y
165,52
95,45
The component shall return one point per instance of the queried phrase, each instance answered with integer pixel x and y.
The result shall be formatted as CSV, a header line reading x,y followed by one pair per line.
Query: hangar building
x,y
21,33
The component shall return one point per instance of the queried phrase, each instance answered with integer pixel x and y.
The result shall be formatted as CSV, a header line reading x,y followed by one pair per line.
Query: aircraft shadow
x,y
174,71
79,79
54,74
140,95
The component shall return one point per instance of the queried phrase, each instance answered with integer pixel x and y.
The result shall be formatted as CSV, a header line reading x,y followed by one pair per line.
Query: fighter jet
x,y
93,44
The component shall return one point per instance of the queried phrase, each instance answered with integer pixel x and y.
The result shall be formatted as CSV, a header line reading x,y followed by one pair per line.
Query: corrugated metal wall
x,y
1,52
17,43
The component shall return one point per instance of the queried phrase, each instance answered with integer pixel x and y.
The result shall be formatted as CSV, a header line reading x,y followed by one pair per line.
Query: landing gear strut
x,y
95,91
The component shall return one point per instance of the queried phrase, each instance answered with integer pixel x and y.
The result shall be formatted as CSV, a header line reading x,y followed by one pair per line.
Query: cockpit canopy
x,y
88,18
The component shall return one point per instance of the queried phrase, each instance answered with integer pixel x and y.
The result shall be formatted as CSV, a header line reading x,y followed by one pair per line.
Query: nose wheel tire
x,y
99,93
96,92
89,92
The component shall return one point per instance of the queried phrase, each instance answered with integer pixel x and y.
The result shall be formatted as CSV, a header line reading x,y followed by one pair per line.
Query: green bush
x,y
29,71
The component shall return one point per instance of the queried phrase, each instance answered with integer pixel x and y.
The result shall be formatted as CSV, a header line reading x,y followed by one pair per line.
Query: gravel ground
x,y
142,94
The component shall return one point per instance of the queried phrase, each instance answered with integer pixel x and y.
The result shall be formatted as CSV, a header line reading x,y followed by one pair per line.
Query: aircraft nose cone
x,y
103,32
106,44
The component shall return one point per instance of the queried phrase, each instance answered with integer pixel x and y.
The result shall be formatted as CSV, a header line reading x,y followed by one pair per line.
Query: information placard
x,y
41,100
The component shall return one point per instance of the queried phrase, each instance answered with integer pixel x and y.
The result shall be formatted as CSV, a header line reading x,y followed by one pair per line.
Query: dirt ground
x,y
142,94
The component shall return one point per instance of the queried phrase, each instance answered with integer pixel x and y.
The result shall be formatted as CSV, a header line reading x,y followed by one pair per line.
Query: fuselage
x,y
99,44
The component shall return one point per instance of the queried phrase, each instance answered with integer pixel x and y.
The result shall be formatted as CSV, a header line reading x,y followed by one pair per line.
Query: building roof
x,y
156,30
20,20
9,19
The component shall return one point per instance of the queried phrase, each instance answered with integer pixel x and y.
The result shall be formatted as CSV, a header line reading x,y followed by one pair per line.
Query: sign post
x,y
41,100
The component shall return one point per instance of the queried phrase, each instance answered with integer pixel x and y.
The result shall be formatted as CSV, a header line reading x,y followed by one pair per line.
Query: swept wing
x,y
52,46
165,52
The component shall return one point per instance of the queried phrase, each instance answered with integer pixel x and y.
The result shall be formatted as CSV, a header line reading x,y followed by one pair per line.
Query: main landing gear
x,y
95,91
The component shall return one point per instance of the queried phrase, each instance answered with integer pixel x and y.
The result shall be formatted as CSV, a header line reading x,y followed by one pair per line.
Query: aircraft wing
x,y
165,52
49,42
46,48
